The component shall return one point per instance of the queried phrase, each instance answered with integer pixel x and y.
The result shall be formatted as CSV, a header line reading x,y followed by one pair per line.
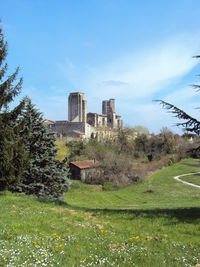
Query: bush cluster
x,y
130,157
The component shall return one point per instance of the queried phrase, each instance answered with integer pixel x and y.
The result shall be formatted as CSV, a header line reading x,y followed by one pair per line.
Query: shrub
x,y
75,148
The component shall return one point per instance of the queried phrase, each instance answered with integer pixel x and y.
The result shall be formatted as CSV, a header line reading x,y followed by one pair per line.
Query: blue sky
x,y
131,50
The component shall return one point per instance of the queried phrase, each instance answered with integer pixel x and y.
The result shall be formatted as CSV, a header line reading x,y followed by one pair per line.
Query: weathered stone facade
x,y
108,106
97,120
108,118
83,125
77,107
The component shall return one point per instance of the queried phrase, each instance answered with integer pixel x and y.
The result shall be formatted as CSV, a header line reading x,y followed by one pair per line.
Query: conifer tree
x,y
44,176
188,122
11,148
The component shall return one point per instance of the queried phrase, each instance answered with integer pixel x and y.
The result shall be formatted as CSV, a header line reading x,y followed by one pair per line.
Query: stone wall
x,y
73,129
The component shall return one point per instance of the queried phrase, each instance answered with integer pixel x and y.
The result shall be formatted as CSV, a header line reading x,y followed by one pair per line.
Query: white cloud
x,y
141,74
135,78
154,117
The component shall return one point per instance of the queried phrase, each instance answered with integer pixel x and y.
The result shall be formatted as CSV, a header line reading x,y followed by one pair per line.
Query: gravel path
x,y
177,178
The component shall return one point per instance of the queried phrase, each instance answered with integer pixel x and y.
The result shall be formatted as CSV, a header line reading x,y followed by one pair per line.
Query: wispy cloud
x,y
143,73
154,117
136,77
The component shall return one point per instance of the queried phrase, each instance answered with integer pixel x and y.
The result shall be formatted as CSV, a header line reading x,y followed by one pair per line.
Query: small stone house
x,y
83,170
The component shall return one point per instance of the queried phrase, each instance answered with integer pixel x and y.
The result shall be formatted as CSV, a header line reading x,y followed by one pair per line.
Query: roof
x,y
84,164
75,93
48,122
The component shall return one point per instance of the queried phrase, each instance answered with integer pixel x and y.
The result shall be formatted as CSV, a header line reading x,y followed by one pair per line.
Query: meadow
x,y
153,223
194,179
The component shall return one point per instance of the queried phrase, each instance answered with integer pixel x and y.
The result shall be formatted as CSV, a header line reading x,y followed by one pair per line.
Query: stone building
x,y
77,107
83,125
108,106
83,170
108,118
97,120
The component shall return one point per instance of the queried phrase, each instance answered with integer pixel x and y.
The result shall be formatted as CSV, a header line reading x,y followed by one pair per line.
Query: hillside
x,y
156,223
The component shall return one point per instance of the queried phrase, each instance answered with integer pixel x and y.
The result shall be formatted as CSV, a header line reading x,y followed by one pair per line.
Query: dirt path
x,y
177,178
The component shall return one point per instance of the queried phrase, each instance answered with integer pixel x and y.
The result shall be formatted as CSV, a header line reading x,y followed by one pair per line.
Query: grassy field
x,y
155,223
194,179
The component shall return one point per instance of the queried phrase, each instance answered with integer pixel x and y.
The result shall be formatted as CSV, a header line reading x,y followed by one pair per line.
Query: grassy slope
x,y
194,179
128,227
165,192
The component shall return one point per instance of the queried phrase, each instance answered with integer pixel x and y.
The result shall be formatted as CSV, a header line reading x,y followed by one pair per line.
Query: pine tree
x,y
188,123
44,176
11,148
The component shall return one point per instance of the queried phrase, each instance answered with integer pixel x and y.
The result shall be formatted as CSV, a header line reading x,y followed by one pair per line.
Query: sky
x,y
135,51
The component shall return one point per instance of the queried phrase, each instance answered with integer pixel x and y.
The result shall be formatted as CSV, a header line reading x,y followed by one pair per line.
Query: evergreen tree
x,y
44,176
188,123
11,147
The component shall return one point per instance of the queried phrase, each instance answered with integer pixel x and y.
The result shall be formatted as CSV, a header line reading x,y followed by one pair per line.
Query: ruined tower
x,y
77,107
108,106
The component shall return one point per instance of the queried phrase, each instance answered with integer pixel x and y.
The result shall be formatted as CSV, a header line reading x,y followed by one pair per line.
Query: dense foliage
x,y
12,151
43,175
130,156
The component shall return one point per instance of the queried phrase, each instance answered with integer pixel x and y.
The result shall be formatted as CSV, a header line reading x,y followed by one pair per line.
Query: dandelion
x,y
148,238
134,238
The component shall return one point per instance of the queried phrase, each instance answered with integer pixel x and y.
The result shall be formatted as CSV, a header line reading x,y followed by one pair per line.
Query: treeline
x,y
131,156
27,147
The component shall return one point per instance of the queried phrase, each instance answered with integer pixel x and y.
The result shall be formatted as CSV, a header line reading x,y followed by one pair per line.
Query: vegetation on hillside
x,y
130,157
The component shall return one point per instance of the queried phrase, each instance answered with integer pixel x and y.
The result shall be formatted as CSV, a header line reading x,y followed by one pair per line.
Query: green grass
x,y
156,223
194,179
159,191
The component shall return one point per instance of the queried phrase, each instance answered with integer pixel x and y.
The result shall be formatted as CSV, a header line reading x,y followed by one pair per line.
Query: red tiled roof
x,y
84,164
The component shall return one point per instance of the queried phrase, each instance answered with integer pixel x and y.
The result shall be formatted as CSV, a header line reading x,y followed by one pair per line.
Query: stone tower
x,y
77,107
108,106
